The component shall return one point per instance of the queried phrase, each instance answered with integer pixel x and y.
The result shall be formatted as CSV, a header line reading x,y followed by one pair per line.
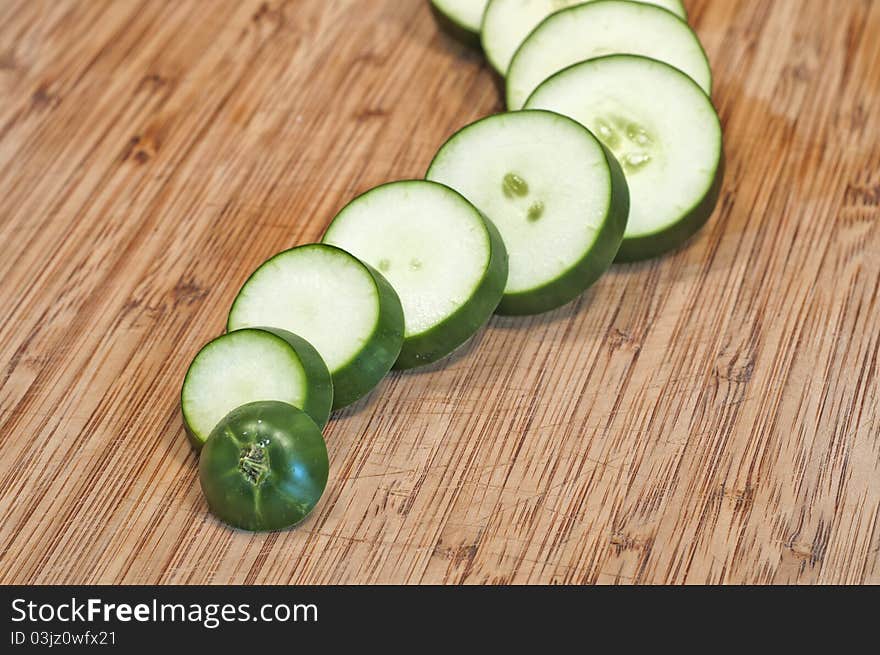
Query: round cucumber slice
x,y
250,365
600,28
343,307
507,23
556,195
664,131
464,17
447,263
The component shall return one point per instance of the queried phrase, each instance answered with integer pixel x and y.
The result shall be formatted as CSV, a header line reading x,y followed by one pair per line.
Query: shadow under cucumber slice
x,y
343,307
462,18
664,132
251,365
446,262
558,198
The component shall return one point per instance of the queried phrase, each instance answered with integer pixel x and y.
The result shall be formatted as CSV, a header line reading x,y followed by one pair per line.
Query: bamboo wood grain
x,y
711,416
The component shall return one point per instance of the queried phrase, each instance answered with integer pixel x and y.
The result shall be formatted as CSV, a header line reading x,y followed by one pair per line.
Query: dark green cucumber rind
x,y
455,29
646,246
362,373
194,440
613,54
319,385
315,379
591,266
448,335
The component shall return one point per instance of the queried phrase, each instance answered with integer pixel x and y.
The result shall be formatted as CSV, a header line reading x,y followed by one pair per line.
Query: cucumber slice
x,y
447,264
507,23
344,308
556,195
250,365
466,15
600,28
663,130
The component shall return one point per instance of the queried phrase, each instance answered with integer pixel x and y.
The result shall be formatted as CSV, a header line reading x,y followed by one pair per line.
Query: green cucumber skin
x,y
651,245
458,32
447,336
319,398
590,268
362,373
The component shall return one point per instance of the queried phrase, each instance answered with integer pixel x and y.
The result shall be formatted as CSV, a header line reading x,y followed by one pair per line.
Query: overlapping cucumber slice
x,y
343,307
558,198
446,262
664,131
252,365
600,28
507,23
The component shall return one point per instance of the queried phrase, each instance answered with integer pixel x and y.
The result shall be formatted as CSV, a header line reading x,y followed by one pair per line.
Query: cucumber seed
x,y
514,185
535,211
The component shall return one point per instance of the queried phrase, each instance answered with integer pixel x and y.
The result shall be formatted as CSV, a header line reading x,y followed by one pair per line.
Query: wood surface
x,y
709,417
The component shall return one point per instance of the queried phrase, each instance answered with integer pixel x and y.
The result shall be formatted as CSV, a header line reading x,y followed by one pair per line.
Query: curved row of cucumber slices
x,y
612,152
636,75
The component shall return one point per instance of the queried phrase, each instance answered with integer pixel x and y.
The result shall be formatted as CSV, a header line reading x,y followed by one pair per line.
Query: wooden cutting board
x,y
711,416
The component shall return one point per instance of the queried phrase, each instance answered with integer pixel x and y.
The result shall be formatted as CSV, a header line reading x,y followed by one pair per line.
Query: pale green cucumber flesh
x,y
549,187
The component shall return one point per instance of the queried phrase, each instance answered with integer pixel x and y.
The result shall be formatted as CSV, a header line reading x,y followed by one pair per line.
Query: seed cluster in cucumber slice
x,y
556,195
612,150
600,28
467,15
507,23
672,159
251,365
447,263
343,307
